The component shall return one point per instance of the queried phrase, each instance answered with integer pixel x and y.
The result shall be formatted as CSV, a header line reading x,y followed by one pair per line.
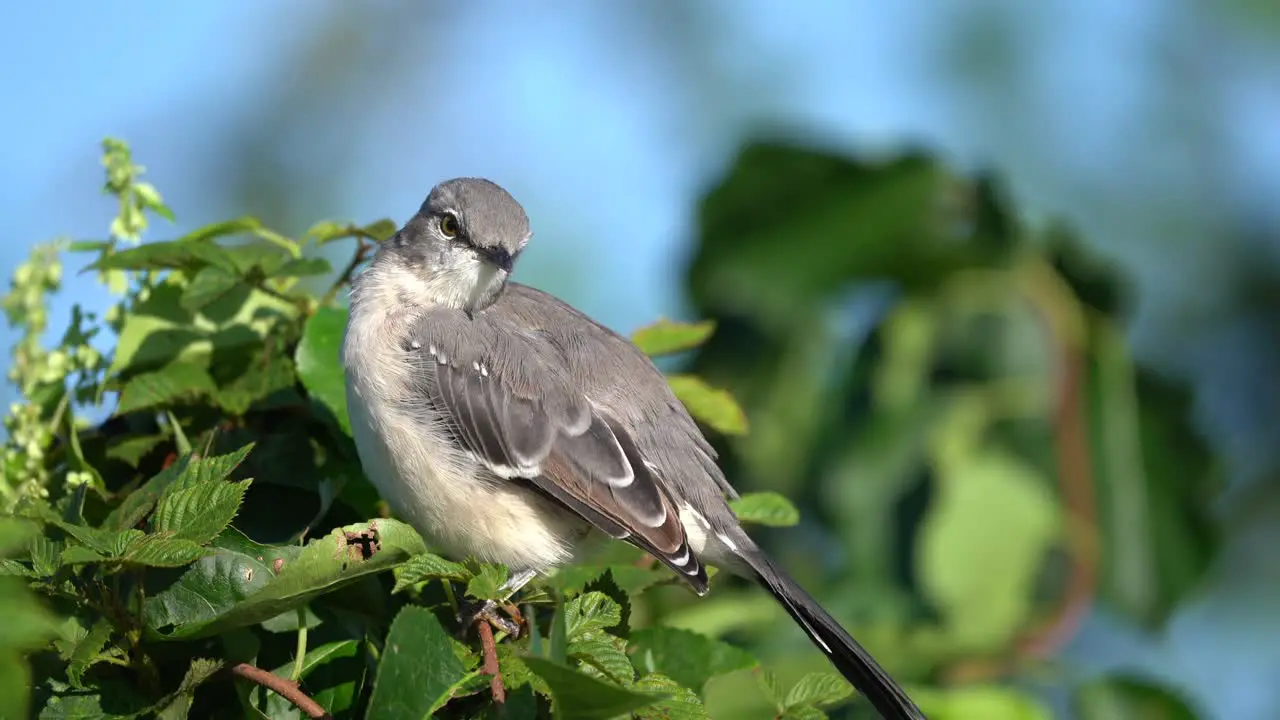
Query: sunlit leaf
x,y
687,657
319,362
161,387
418,673
765,508
716,408
666,337
1126,698
427,566
577,696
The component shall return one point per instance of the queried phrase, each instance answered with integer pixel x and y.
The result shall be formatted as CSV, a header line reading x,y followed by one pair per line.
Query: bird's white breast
x,y
428,481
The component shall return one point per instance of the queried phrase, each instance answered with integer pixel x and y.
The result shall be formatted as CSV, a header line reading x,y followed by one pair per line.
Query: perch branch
x,y
282,687
362,251
489,651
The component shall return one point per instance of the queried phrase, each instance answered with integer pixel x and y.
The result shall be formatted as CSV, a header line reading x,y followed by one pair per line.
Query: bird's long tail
x,y
850,658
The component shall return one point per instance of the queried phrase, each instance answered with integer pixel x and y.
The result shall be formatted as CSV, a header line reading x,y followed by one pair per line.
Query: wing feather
x,y
568,449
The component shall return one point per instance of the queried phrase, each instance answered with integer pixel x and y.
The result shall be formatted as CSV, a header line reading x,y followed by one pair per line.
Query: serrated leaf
x,y
319,364
487,583
682,703
244,583
209,284
427,566
684,656
226,228
160,551
577,696
765,508
818,689
666,337
419,672
200,470
88,651
603,652
590,612
161,387
715,408
200,512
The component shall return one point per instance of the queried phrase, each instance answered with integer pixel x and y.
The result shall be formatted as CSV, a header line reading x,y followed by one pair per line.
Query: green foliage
x,y
218,516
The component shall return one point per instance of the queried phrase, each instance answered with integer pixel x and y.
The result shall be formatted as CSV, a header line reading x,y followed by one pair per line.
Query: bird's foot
x,y
491,611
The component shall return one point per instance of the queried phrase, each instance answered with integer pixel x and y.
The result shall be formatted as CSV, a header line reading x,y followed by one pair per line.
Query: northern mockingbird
x,y
504,424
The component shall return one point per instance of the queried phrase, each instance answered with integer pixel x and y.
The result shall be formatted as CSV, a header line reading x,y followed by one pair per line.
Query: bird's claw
x,y
491,612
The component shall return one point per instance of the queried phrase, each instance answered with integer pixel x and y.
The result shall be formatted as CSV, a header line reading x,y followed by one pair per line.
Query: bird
x,y
504,424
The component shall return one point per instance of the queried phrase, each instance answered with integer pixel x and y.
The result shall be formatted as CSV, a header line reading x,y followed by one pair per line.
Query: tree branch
x,y
489,651
284,688
363,247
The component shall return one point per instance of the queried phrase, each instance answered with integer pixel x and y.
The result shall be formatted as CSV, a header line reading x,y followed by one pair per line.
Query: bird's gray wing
x,y
519,417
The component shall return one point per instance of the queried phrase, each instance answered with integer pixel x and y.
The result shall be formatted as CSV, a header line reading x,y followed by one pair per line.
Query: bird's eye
x,y
449,225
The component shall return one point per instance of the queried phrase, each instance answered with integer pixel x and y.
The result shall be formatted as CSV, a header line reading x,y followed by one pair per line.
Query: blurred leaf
x,y
1128,698
789,226
666,337
582,697
418,673
681,702
427,566
1156,479
319,362
166,255
765,508
154,389
988,702
715,408
209,284
244,583
991,506
303,267
88,651
380,230
686,657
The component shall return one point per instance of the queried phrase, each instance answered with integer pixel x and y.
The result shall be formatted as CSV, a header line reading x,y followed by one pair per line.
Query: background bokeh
x,y
1152,129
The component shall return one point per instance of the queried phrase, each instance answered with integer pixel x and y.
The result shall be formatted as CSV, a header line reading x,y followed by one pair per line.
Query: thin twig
x,y
362,251
489,651
282,687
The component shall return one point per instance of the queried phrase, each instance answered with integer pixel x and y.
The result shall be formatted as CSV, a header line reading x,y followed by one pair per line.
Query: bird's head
x,y
462,244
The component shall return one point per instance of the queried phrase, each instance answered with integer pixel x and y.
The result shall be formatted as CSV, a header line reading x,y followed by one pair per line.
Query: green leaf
x,y
1126,698
989,702
161,387
577,696
328,231
715,408
226,228
681,702
686,657
666,337
109,699
200,512
380,230
131,449
166,255
177,704
604,653
333,674
590,612
209,284
15,685
992,506
425,567
243,583
320,365
28,624
419,672
1156,480
303,267
199,471
818,689
88,651
487,583
765,508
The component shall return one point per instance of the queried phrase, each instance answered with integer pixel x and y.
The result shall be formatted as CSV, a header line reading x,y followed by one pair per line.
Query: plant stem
x,y
301,653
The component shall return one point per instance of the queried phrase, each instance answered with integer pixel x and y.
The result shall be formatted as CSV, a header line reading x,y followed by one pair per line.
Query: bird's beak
x,y
499,258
